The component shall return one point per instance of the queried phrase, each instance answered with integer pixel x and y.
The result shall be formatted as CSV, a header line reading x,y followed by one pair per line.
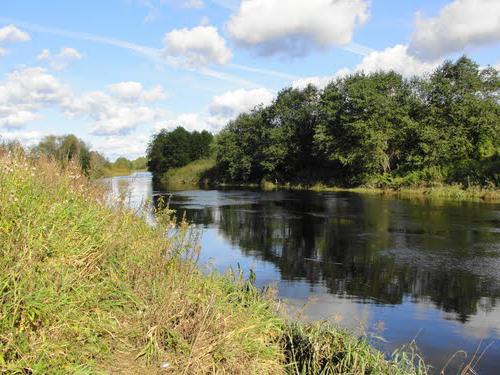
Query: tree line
x,y
377,129
175,149
71,149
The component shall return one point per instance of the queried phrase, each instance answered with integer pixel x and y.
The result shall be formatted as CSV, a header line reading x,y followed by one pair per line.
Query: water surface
x,y
398,269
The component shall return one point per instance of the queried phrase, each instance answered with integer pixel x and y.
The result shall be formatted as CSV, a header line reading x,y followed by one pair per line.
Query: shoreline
x,y
107,292
196,175
445,192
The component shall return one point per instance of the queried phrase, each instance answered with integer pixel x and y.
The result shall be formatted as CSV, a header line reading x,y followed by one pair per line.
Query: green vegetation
x,y
68,148
89,289
122,167
374,131
174,149
191,176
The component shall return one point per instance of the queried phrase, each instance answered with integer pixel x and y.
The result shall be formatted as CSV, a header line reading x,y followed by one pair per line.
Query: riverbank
x,y
86,288
451,192
201,173
115,172
191,176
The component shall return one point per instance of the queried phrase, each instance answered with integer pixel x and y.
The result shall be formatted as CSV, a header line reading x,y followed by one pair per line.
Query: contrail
x,y
154,54
358,49
264,71
158,56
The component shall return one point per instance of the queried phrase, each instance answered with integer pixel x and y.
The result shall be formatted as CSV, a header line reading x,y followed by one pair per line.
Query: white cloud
x,y
319,81
189,121
110,115
232,103
26,138
131,145
460,24
397,59
27,91
60,61
24,92
3,52
222,109
295,26
197,47
132,91
394,58
11,34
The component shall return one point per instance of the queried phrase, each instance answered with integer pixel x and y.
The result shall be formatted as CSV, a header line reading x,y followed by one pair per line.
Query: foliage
x,y
175,149
191,176
373,130
66,148
85,288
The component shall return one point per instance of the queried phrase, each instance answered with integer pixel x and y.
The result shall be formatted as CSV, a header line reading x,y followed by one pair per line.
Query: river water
x,y
400,270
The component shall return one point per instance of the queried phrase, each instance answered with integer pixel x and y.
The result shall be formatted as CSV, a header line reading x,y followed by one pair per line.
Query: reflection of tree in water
x,y
343,244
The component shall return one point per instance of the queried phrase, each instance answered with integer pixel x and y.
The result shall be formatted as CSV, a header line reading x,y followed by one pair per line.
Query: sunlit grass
x,y
187,177
89,289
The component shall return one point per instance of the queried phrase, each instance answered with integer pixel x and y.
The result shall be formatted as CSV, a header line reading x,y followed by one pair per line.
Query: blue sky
x,y
114,72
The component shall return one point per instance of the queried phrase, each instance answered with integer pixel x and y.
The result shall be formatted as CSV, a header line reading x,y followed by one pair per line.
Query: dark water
x,y
397,269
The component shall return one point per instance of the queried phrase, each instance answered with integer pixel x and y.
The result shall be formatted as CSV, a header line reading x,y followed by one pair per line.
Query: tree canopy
x,y
176,148
376,128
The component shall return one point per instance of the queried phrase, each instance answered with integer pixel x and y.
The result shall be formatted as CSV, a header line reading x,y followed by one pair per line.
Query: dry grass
x,y
88,289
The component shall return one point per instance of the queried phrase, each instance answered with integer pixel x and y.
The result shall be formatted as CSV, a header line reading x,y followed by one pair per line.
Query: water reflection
x,y
402,269
366,248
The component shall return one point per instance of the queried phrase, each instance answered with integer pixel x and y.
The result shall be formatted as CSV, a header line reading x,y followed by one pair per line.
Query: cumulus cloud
x,y
397,59
293,27
24,92
61,60
394,58
319,81
221,110
189,121
111,116
133,91
118,110
232,103
196,47
131,145
459,24
11,34
27,138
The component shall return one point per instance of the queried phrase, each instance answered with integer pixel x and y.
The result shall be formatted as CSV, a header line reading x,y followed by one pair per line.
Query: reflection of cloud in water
x,y
327,307
415,267
485,324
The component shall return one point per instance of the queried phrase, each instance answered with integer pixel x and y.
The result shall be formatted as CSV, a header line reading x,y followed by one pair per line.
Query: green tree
x,y
174,149
65,148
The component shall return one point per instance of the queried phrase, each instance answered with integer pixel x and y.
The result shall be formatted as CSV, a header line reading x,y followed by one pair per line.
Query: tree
x,y
289,129
375,128
64,149
174,149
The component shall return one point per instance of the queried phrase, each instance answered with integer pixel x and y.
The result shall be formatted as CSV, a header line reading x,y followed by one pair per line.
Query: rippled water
x,y
398,269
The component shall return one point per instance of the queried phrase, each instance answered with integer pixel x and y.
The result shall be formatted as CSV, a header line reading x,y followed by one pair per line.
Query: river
x,y
400,270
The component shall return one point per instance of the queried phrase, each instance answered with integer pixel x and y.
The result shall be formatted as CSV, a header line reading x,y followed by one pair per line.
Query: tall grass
x,y
89,289
187,177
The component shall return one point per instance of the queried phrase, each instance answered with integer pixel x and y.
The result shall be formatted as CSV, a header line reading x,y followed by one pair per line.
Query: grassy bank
x,y
89,289
202,173
451,192
114,172
190,176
